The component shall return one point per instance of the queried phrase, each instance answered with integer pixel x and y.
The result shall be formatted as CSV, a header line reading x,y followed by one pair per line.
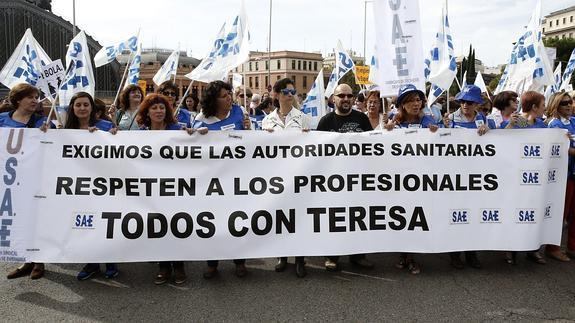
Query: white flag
x,y
566,79
229,52
79,76
464,80
343,64
373,66
237,80
314,104
528,66
108,54
169,69
134,69
25,64
480,83
554,88
441,67
399,47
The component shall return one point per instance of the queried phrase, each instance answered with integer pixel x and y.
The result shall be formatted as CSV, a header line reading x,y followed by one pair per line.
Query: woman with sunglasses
x,y
560,111
467,116
170,90
287,117
410,102
130,101
219,113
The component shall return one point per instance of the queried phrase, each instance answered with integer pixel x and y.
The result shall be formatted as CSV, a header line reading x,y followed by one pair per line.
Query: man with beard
x,y
345,119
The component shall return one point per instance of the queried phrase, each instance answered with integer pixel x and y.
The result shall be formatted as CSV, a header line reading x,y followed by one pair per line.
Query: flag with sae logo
x,y
79,73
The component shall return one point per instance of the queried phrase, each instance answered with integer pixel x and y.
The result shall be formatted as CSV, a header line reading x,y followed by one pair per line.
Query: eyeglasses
x,y
288,91
566,103
467,102
343,96
170,93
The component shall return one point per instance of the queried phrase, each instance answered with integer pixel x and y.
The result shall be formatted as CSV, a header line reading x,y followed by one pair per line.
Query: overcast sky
x,y
300,25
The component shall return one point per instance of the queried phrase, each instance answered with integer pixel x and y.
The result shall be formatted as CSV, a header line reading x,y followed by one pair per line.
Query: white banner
x,y
399,48
75,196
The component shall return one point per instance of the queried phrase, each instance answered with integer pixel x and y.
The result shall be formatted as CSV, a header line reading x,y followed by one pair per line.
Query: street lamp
x,y
364,29
270,48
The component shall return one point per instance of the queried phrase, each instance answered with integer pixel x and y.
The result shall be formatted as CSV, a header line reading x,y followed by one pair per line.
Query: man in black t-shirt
x,y
345,119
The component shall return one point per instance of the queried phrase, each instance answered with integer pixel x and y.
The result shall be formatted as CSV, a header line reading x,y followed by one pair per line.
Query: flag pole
x,y
177,110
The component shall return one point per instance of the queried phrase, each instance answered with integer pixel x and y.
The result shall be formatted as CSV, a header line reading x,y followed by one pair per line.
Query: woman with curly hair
x,y
130,100
218,110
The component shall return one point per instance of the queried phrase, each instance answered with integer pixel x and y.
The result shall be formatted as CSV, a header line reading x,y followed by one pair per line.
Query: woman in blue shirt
x,y
467,115
560,111
24,100
218,113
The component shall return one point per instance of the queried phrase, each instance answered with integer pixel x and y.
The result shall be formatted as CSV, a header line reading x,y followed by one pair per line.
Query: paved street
x,y
499,292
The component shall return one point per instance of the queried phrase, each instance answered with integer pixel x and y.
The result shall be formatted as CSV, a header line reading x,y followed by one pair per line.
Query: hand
x,y
305,130
514,118
112,109
270,130
482,130
433,128
92,129
203,130
247,122
390,125
44,127
190,131
113,131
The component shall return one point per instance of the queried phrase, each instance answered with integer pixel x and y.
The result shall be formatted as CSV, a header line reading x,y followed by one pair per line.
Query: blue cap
x,y
470,93
404,90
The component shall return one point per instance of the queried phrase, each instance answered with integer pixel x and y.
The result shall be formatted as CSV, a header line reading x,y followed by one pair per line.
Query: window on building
x,y
293,64
257,82
571,19
304,82
557,22
251,84
543,29
565,20
550,23
250,68
279,64
293,79
315,66
305,65
278,77
267,65
570,35
299,65
257,66
267,81
563,36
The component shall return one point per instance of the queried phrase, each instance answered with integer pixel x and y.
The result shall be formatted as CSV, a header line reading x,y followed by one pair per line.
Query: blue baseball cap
x,y
404,90
470,93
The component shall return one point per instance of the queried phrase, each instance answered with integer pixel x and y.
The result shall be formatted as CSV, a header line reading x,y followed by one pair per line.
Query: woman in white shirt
x,y
285,116
376,110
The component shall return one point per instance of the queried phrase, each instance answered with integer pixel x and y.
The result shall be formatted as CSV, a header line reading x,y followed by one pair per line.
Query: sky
x,y
300,25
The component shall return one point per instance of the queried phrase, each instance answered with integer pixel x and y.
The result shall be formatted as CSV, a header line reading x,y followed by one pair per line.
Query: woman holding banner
x,y
410,103
24,100
376,110
505,103
286,117
560,111
130,100
219,113
83,115
532,109
156,114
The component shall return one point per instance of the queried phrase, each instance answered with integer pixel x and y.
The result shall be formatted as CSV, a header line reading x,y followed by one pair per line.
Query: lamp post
x,y
365,30
270,48
74,18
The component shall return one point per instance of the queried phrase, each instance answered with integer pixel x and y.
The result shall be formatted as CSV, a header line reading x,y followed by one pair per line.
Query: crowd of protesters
x,y
221,109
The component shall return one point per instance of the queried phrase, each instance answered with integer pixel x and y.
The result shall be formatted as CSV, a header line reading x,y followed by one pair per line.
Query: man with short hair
x,y
345,119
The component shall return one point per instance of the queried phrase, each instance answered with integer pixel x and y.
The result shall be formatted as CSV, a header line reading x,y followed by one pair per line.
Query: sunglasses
x,y
343,96
168,93
566,103
242,96
467,102
288,92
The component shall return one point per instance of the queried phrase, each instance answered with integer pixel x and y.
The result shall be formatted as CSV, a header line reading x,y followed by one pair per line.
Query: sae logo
x,y
84,220
552,175
526,215
459,216
530,177
555,151
532,151
490,216
547,213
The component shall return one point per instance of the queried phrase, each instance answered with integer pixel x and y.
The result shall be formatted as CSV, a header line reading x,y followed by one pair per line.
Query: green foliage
x,y
494,82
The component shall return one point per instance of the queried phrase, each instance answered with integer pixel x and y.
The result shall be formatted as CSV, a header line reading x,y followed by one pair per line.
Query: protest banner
x,y
75,196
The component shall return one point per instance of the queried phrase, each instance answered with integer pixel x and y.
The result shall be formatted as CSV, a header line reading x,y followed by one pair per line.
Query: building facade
x,y
559,24
52,32
260,73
